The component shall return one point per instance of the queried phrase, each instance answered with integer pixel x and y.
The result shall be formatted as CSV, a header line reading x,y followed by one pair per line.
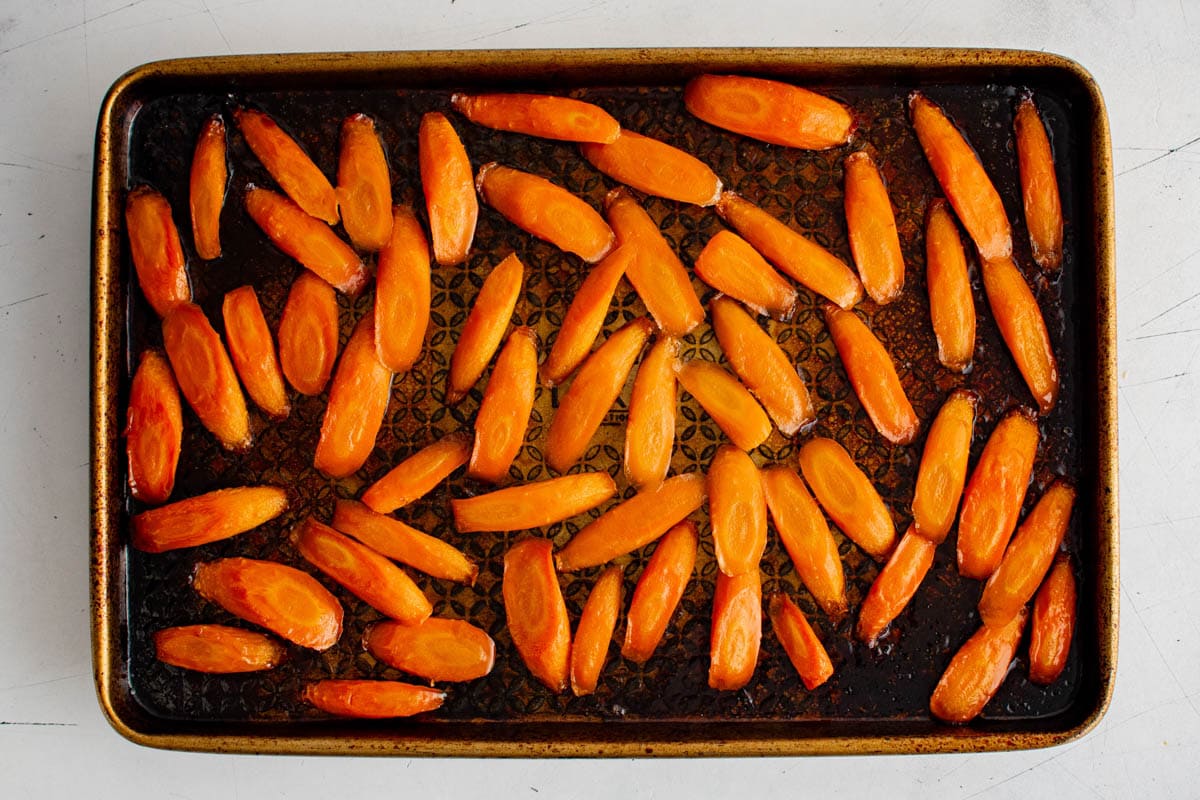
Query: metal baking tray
x,y
877,700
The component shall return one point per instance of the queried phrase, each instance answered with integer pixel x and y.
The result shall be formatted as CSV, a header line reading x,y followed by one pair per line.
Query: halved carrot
x,y
1053,623
800,641
449,187
847,496
358,399
282,599
800,258
975,673
655,167
895,585
532,505
364,189
729,264
362,572
727,401
872,373
634,523
404,543
217,649
547,116
546,210
806,537
288,164
1039,186
485,326
951,306
503,414
659,590
650,426
155,250
153,429
367,699
206,187
536,612
205,375
253,351
206,518
736,630
871,224
771,111
402,293
436,649
762,366
585,316
589,650
417,475
1023,328
995,492
943,470
306,239
308,334
737,508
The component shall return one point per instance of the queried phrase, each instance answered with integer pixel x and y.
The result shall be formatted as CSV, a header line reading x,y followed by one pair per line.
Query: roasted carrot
x,y
1023,328
206,518
799,641
533,505
153,429
736,630
308,334
1053,623
589,650
650,426
449,187
217,649
943,470
536,611
975,673
659,590
253,351
436,649
485,326
504,412
367,699
951,305
206,187
585,316
729,264
847,496
156,251
358,399
401,542
364,190
895,585
871,224
1039,186
737,508
402,293
654,167
546,116
288,164
727,401
771,111
417,475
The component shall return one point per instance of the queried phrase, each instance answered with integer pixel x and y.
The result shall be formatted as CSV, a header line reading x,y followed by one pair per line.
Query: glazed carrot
x,y
536,612
806,537
800,258
308,334
1039,186
594,633
153,429
205,375
895,585
737,508
358,399
449,189
547,116
361,571
654,167
1053,623
659,590
217,649
634,523
485,326
585,316
206,187
799,641
504,412
156,251
975,673
762,366
206,518
951,306
546,210
306,239
1023,328
872,373
871,224
656,273
596,387
417,475
253,351
943,470
289,165
770,111
282,599
729,264
372,699
736,630
650,426
994,494
847,496
364,189
436,649
401,542
533,505
402,293
727,401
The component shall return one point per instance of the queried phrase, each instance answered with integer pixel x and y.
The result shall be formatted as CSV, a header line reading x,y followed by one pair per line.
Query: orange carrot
x,y
366,699
847,496
289,165
729,264
1023,328
485,326
533,505
308,334
217,649
655,167
585,316
659,590
951,305
156,251
594,633
650,427
417,475
253,351
737,509
402,293
536,612
727,401
206,187
504,413
449,188
364,189
206,518
943,470
358,399
736,630
871,223
975,673
770,111
799,641
153,429
547,116
895,585
1053,623
436,649
1039,186
400,542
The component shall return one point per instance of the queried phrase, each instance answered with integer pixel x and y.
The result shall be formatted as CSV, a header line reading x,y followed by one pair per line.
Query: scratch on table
x,y
70,28
23,300
1169,152
1179,332
1162,314
39,724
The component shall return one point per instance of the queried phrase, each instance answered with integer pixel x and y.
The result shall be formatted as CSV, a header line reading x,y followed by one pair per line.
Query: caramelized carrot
x,y
650,426
847,496
206,187
417,475
156,251
504,413
308,334
799,641
1039,186
727,401
736,630
546,116
737,509
594,633
585,316
402,293
206,518
400,542
943,470
289,165
895,585
364,189
533,505
217,649
449,189
871,224
770,111
654,167
358,399
485,326
372,699
153,429
536,612
729,264
436,649
951,306
253,351
1053,623
659,590
1023,328
975,673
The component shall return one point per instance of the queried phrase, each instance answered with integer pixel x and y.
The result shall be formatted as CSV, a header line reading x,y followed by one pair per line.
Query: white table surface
x,y
58,58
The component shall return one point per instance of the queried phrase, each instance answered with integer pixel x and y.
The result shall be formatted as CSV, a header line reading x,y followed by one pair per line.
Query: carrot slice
x,y
1039,186
358,399
253,351
153,429
485,326
951,306
650,427
436,649
205,375
403,543
594,633
943,470
449,189
975,673
156,251
585,316
1053,623
504,413
282,599
1023,328
364,189
729,264
762,366
533,505
217,649
847,496
655,167
417,475
206,187
308,334
770,111
727,401
872,373
799,641
206,518
633,523
736,630
871,223
994,494
806,537
402,293
737,508
895,585
547,116
372,699
536,611
659,591
800,258
306,239
288,164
